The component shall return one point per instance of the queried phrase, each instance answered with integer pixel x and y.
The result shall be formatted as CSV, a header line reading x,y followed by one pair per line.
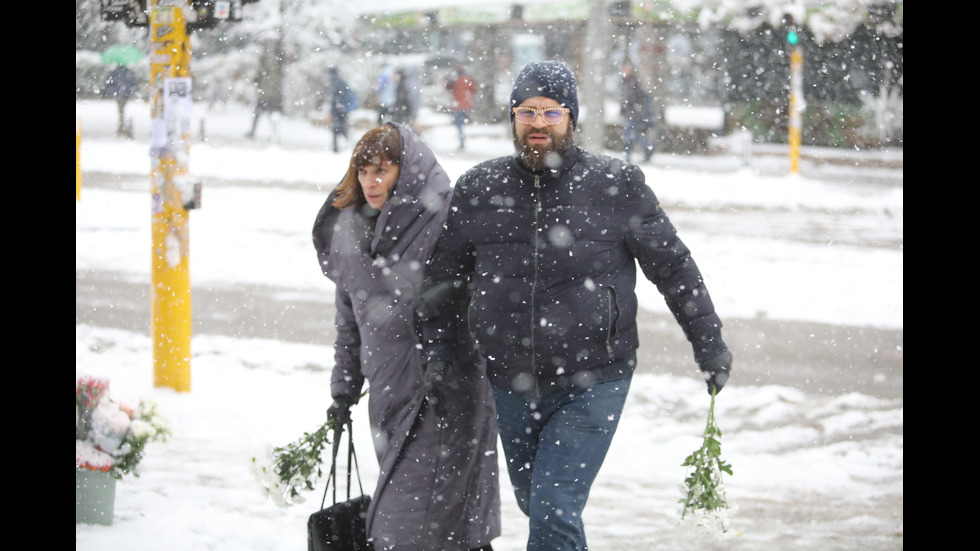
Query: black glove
x,y
434,382
339,411
434,299
716,371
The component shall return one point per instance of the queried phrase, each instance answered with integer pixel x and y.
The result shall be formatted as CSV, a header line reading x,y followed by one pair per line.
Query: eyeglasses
x,y
551,115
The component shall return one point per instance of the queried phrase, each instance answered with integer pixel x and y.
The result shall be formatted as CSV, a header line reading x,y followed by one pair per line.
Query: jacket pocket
x,y
612,316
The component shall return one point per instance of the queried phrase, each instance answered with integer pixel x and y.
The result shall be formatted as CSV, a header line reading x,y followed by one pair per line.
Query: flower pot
x,y
95,497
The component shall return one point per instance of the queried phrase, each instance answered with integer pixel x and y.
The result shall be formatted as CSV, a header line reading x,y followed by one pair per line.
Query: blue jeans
x,y
634,133
554,446
459,119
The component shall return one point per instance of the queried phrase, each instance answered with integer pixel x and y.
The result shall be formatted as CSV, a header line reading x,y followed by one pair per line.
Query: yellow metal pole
x,y
169,147
795,108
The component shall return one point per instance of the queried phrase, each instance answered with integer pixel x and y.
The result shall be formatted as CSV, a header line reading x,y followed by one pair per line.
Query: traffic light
x,y
131,12
792,31
206,14
200,14
792,37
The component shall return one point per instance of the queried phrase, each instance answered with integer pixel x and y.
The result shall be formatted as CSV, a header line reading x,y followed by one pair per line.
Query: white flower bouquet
x,y
283,472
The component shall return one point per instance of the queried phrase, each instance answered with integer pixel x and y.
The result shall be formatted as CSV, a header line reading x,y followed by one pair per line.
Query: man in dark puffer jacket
x,y
540,253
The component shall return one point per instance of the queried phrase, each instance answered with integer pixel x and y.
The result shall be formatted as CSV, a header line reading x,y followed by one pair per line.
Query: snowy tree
x,y
733,51
305,37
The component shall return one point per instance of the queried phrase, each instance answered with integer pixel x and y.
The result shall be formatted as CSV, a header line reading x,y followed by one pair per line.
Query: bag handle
x,y
351,460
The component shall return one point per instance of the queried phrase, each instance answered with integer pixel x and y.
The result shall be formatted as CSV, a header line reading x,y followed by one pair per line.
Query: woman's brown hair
x,y
374,148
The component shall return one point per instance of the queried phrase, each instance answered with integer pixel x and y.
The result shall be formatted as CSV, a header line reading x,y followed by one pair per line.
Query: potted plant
x,y
110,439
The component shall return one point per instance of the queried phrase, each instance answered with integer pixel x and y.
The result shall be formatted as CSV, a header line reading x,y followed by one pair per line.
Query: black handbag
x,y
341,526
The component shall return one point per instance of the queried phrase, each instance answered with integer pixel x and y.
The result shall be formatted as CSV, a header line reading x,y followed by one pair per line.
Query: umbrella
x,y
122,55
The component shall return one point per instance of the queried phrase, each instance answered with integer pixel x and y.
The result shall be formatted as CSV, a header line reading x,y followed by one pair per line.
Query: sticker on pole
x,y
173,127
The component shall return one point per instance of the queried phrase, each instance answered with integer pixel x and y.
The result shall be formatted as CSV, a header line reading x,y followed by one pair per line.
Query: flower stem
x,y
704,488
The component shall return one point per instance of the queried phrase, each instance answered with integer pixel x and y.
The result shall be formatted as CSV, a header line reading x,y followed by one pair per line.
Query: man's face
x,y
539,145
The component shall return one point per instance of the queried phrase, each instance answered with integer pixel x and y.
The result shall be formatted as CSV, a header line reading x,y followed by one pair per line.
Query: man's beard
x,y
541,157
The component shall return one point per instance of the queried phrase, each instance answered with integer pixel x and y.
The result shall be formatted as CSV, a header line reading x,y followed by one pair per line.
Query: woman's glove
x,y
339,411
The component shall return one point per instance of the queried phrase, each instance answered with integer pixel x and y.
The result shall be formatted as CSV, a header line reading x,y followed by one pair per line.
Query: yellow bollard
x,y
78,160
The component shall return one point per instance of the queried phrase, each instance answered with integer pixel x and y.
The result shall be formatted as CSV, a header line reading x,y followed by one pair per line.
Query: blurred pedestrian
x,y
386,91
121,84
342,102
268,100
539,258
463,88
438,482
407,96
636,108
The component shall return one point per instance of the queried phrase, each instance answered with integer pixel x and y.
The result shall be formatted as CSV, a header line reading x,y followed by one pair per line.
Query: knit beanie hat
x,y
550,79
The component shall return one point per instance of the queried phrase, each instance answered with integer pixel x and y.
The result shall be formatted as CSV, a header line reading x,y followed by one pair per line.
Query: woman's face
x,y
376,180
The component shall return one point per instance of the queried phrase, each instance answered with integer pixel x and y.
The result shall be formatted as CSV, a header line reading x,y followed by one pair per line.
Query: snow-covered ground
x,y
811,471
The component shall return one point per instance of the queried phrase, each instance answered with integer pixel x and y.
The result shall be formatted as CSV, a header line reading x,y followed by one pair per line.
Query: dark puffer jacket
x,y
550,261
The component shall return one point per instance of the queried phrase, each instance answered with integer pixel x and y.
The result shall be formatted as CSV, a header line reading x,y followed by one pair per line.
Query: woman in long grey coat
x,y
438,486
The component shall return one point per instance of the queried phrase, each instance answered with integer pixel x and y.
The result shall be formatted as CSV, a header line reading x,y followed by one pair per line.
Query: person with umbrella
x,y
121,84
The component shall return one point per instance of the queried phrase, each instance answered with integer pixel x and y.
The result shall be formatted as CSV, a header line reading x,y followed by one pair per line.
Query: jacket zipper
x,y
610,323
534,281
